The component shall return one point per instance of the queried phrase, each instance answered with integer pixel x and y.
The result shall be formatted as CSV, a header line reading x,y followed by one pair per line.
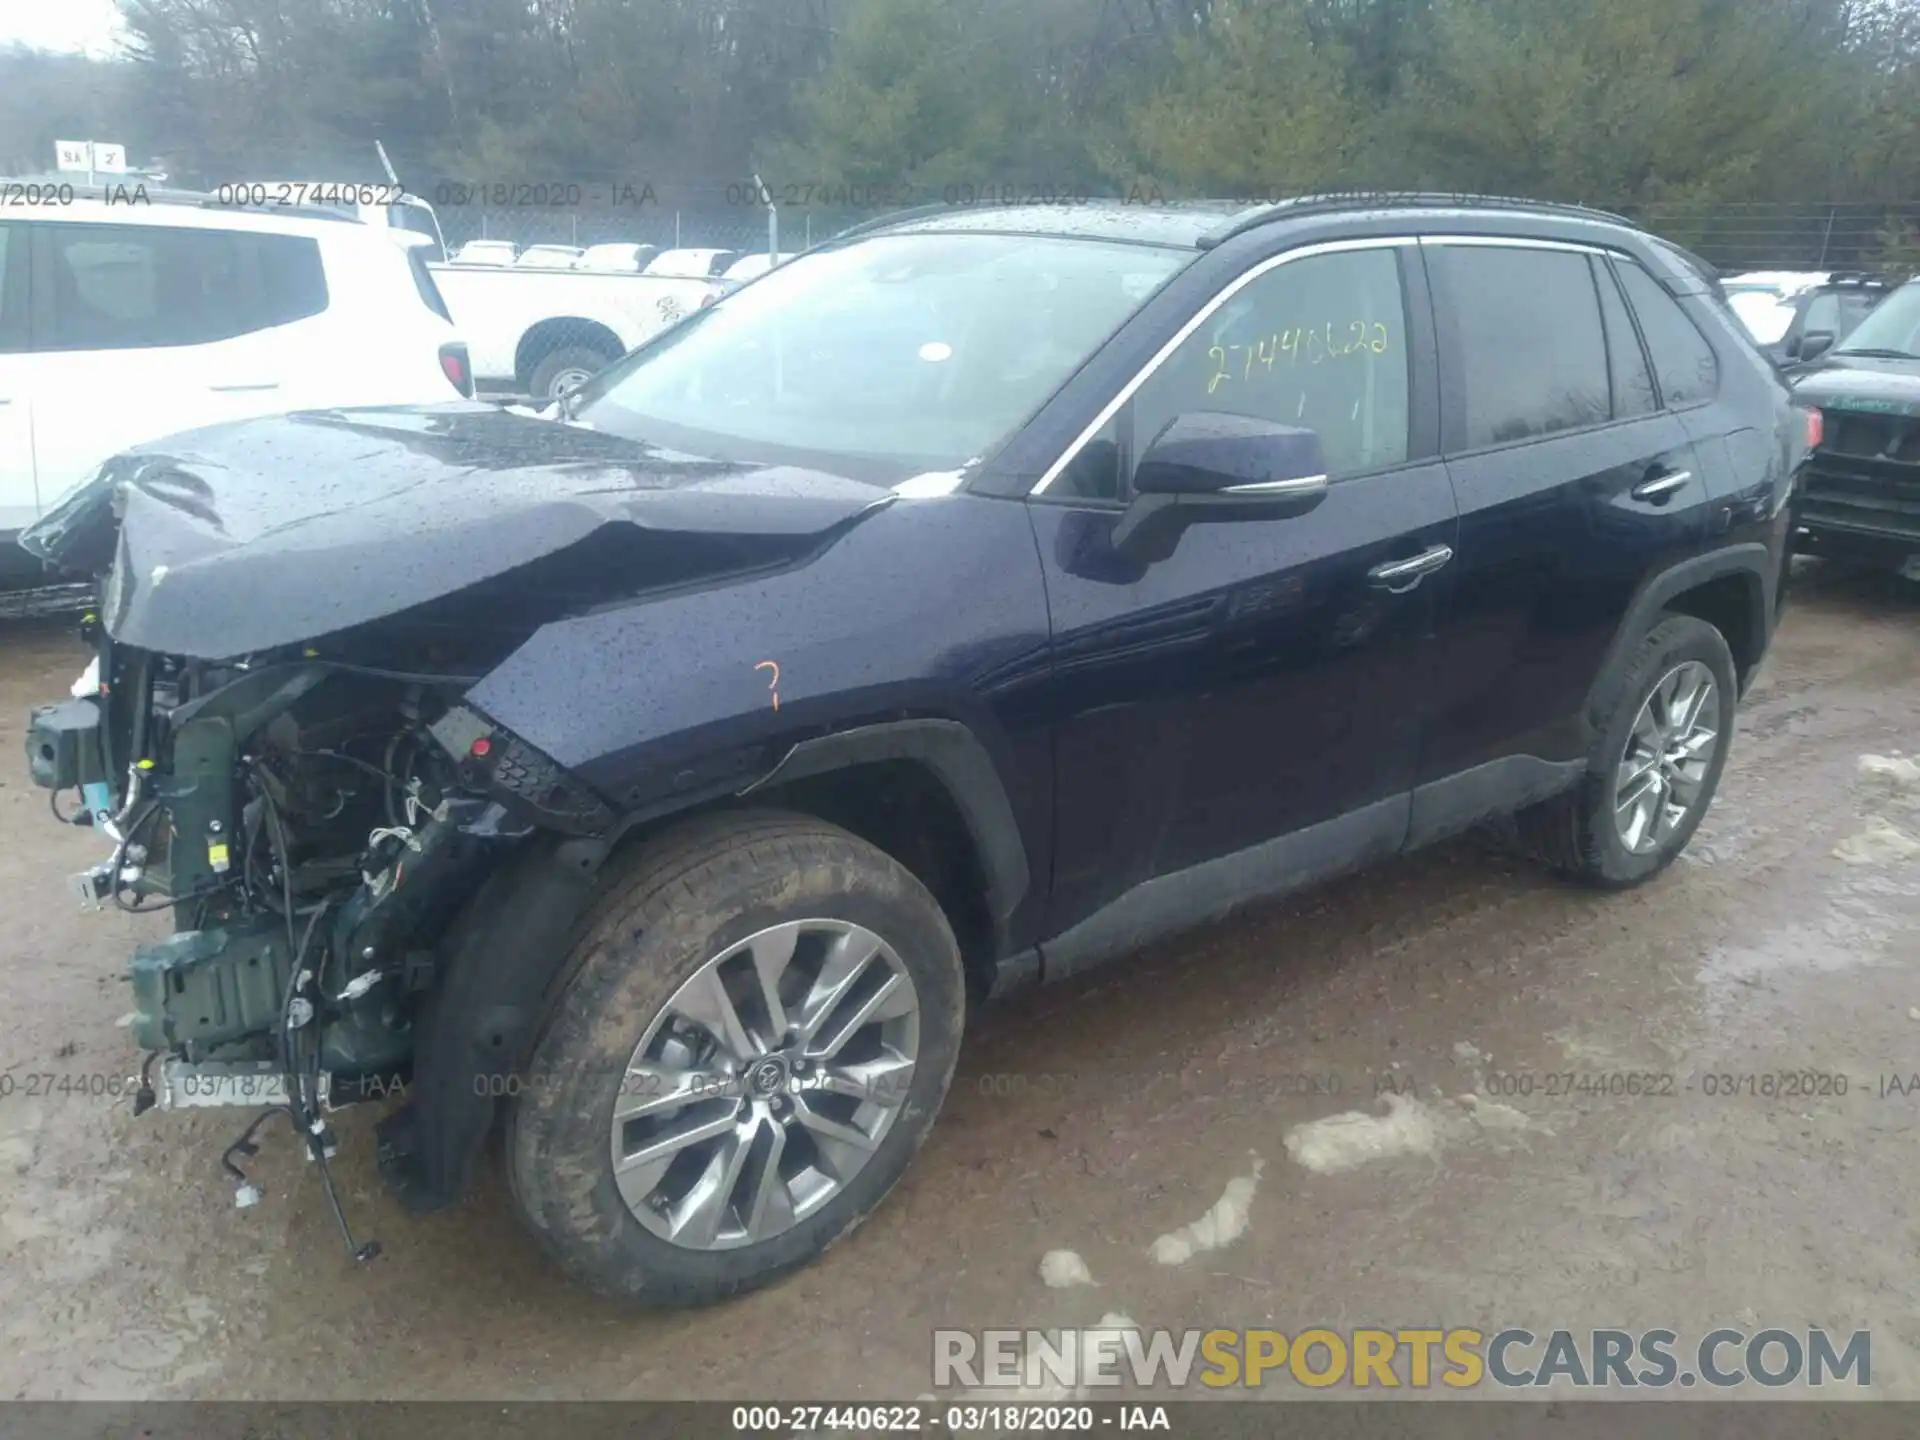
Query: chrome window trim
x,y
1199,317
1512,242
1304,485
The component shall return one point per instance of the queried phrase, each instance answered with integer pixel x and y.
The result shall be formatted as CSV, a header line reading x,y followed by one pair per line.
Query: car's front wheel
x,y
755,1030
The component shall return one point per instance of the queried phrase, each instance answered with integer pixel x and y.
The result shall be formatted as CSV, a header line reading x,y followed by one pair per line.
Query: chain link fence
x,y
1733,237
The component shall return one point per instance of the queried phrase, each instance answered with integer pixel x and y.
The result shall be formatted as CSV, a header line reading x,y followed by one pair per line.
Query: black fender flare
x,y
1752,560
959,761
477,1022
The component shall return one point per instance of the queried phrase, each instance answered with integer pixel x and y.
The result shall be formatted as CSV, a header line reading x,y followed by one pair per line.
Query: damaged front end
x,y
370,882
314,826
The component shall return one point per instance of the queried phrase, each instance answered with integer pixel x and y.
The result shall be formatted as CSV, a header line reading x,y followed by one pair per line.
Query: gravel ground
x,y
1098,1116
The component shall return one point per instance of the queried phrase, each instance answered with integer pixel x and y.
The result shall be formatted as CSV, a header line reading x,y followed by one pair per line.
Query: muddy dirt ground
x,y
1099,1116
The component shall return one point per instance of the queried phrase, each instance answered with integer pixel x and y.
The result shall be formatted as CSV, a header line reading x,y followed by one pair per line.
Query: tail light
x,y
1816,428
457,368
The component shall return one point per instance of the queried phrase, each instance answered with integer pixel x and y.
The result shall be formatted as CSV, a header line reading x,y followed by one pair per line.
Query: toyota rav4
x,y
660,781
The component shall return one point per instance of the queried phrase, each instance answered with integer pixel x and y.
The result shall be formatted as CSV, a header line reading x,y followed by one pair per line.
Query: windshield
x,y
1894,325
921,351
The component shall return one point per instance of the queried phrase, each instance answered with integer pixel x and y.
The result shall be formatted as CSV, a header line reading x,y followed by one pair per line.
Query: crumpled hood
x,y
246,537
1863,383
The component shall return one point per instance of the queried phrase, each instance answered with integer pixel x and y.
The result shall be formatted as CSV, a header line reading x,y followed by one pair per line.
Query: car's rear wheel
x,y
1661,738
567,368
755,1030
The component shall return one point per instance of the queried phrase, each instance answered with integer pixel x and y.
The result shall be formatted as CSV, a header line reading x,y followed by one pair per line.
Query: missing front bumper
x,y
217,1085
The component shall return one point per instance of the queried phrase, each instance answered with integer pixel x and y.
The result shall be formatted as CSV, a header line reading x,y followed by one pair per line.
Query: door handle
x,y
1400,576
241,389
1659,487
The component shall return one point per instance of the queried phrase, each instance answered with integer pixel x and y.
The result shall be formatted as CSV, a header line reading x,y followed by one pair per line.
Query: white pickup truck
x,y
541,332
530,329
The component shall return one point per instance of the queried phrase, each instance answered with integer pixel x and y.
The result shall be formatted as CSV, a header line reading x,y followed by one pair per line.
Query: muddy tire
x,y
716,990
1661,736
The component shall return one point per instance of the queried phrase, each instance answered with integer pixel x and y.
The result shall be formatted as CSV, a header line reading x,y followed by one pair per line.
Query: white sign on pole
x,y
90,155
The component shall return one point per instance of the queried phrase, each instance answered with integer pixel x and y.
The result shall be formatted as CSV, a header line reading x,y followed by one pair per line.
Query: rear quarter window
x,y
1683,361
428,287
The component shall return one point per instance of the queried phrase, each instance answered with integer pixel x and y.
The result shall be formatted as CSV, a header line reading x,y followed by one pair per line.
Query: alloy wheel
x,y
765,1084
1668,754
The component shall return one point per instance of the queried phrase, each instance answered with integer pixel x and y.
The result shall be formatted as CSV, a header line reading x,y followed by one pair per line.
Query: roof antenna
x,y
387,165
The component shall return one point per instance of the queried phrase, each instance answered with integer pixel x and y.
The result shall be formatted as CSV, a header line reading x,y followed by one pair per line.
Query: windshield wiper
x,y
1873,354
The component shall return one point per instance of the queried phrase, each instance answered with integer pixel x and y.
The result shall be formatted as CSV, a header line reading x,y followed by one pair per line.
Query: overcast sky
x,y
89,25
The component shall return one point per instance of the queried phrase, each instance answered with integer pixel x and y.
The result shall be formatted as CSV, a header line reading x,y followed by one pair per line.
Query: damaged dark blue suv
x,y
662,779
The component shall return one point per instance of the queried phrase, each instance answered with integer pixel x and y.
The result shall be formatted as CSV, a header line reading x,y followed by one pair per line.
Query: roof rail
x,y
1333,201
892,217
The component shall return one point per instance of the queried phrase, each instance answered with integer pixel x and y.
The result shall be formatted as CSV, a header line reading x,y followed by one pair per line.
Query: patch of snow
x,y
1062,1268
1895,773
1355,1138
1493,1115
1880,843
1220,1226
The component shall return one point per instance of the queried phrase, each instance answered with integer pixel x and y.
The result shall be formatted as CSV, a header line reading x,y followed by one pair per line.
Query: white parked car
x,y
160,317
1763,299
549,257
699,264
486,252
619,258
748,267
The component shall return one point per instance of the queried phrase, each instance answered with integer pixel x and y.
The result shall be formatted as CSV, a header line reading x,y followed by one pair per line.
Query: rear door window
x,y
1529,352
118,287
1683,362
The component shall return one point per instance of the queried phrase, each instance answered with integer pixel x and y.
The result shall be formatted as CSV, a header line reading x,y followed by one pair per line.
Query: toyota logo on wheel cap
x,y
768,1078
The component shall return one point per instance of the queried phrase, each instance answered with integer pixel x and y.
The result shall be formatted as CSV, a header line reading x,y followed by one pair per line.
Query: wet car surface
x,y
1104,1113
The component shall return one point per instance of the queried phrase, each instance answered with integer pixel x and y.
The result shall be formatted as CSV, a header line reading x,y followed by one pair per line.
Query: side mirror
x,y
1814,344
1205,452
1208,466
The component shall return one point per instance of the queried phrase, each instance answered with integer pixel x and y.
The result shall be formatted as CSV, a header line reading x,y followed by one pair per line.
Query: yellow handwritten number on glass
x,y
1219,357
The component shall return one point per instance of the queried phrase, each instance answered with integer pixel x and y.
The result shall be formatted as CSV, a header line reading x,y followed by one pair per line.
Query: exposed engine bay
x,y
312,825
